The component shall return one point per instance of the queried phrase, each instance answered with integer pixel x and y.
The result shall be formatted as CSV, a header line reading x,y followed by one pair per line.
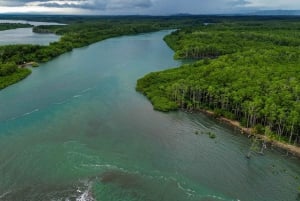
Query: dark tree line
x,y
78,32
249,71
7,26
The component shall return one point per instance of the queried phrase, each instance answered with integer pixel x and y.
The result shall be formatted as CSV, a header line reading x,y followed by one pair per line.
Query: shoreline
x,y
31,63
291,149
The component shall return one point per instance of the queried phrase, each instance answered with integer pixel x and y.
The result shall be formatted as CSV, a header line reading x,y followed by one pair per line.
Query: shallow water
x,y
76,129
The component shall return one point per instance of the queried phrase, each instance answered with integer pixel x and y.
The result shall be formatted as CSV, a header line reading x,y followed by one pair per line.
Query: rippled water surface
x,y
76,129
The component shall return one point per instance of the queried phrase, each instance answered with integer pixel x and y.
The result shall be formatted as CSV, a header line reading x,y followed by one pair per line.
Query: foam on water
x,y
62,102
28,113
4,194
77,96
86,90
86,195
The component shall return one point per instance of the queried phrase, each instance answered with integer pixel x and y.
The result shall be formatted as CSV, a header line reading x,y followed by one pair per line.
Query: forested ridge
x,y
246,70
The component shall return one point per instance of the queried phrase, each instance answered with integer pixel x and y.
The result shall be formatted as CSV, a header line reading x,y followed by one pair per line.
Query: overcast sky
x,y
152,7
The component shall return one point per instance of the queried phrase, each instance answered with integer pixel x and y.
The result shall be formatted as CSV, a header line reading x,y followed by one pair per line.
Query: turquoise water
x,y
76,129
25,35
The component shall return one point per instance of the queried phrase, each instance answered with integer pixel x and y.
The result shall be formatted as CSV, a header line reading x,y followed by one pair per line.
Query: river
x,y
76,129
25,35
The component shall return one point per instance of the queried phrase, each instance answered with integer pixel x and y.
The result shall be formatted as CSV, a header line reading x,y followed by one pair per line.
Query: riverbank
x,y
292,149
32,64
76,35
17,76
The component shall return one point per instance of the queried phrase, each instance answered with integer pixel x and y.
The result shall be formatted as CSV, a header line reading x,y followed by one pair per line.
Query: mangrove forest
x,y
244,70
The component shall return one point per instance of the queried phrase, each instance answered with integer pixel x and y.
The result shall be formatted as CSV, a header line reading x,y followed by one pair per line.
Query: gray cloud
x,y
240,2
12,3
191,6
155,7
83,4
71,5
121,4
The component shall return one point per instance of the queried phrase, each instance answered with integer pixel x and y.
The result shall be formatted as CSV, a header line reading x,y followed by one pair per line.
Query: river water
x,y
76,129
25,35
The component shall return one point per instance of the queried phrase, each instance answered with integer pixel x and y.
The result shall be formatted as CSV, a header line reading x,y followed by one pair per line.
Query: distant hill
x,y
275,12
246,13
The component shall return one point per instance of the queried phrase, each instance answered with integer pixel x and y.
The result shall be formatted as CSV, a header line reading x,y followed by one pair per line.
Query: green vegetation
x,y
34,64
211,135
7,26
9,72
79,32
248,71
12,78
247,67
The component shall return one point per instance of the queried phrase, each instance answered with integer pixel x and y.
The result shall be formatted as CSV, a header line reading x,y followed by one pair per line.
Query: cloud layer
x,y
146,6
83,4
